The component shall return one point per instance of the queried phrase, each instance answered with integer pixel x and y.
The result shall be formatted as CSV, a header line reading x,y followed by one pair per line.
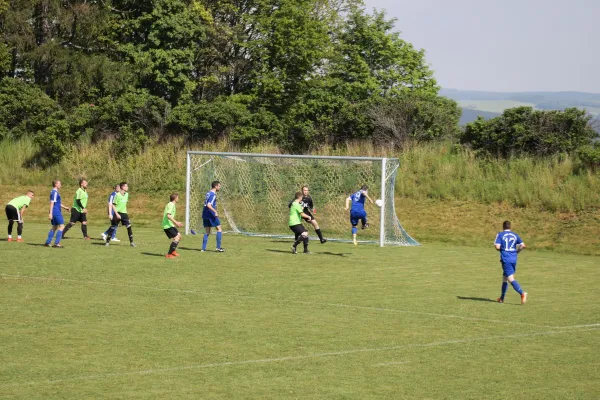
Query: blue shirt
x,y
111,200
55,197
358,202
508,242
211,198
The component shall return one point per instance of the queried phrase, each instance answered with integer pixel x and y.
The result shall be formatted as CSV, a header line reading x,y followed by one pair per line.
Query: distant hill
x,y
490,104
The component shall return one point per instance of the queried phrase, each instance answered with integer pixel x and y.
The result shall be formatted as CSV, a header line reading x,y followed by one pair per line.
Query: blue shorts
x,y
355,217
211,222
57,219
508,268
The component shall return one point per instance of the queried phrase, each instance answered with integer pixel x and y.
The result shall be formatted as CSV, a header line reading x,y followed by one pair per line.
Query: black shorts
x,y
298,229
124,220
12,214
171,232
77,216
307,212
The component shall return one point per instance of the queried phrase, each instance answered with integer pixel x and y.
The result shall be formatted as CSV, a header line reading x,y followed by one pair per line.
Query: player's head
x,y
56,184
118,187
305,190
30,194
364,188
83,183
174,197
216,185
298,195
506,225
124,187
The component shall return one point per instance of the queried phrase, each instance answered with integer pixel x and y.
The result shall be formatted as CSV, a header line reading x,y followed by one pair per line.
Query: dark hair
x,y
122,183
30,191
81,181
506,225
214,184
54,182
305,186
174,196
364,187
298,195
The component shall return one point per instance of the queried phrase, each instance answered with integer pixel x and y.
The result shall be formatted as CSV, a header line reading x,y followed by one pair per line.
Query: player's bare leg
x,y
315,224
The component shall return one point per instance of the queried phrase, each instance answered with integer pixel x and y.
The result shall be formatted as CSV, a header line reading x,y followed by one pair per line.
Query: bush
x,y
590,156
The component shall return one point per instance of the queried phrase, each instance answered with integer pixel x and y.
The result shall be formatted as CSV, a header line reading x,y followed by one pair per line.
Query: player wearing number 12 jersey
x,y
509,244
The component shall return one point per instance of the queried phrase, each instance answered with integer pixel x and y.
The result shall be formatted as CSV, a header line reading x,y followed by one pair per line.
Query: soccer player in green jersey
x,y
79,210
120,214
15,209
170,225
295,223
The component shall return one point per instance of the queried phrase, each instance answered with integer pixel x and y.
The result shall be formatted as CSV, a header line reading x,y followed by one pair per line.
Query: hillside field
x,y
257,322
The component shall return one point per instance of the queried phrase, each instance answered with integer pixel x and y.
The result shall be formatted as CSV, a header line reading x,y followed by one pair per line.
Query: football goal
x,y
257,188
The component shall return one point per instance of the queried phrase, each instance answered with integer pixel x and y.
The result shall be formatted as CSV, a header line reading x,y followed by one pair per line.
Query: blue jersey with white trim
x,y
55,197
508,242
211,198
358,202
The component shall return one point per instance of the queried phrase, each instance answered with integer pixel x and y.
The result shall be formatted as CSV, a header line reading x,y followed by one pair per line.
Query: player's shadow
x,y
153,254
283,241
189,248
328,253
476,299
36,244
281,251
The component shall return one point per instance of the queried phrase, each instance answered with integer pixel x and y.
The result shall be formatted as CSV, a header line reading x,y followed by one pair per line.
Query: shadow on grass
x,y
36,244
328,253
476,299
300,251
283,241
153,254
188,248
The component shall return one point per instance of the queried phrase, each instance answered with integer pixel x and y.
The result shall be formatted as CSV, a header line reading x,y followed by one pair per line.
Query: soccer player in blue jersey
x,y
55,216
210,216
357,212
111,214
509,244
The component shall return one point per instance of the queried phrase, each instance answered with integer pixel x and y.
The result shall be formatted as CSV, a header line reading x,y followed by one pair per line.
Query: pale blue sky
x,y
504,45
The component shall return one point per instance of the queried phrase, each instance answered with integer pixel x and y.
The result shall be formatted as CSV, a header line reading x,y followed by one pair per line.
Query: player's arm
x,y
83,209
50,211
177,223
367,196
311,206
64,207
211,208
306,216
117,215
498,242
348,203
110,206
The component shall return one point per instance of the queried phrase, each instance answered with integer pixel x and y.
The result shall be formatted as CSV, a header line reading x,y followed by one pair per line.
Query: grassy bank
x,y
443,194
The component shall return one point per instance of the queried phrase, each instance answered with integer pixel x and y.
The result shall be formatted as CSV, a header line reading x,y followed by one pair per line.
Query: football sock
x,y
20,229
504,287
297,242
204,241
130,233
319,234
305,244
69,225
50,236
219,237
10,226
114,234
110,233
354,230
84,230
517,287
173,247
59,235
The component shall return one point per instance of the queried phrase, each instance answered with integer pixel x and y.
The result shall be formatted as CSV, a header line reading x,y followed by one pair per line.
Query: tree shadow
x,y
476,299
152,254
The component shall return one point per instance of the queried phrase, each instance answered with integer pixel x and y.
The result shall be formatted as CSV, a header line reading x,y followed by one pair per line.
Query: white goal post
x,y
257,188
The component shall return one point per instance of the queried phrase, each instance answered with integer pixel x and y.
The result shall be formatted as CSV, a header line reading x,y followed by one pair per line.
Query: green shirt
x,y
81,195
295,211
169,209
20,202
120,203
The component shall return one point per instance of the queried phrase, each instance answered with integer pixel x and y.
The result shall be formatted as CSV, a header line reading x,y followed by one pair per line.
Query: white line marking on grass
x,y
290,358
392,363
192,291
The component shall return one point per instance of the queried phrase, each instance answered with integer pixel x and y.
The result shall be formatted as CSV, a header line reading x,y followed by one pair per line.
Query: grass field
x,y
257,322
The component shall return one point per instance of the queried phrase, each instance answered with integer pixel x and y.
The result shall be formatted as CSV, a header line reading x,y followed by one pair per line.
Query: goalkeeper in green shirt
x,y
14,213
79,210
170,225
295,223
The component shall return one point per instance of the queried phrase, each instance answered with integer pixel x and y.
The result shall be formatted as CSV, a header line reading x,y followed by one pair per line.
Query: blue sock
x,y
219,236
354,230
504,287
517,287
50,236
205,241
58,237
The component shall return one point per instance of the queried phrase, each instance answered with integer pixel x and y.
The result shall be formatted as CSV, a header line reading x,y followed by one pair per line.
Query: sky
x,y
504,45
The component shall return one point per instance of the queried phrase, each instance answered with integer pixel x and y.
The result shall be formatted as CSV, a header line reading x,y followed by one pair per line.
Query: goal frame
x,y
383,161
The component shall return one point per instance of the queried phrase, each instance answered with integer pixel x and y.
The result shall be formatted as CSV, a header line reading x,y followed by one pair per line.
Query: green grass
x,y
257,322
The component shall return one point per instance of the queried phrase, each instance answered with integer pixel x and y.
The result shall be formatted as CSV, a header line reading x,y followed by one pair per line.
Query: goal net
x,y
256,190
